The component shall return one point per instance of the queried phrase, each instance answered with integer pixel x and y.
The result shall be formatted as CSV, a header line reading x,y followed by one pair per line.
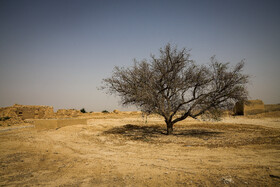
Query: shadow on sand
x,y
139,132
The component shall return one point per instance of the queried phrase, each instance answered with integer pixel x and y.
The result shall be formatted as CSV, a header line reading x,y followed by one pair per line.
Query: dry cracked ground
x,y
125,151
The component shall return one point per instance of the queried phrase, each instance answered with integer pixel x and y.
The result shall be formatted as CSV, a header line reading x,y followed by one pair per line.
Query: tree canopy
x,y
175,87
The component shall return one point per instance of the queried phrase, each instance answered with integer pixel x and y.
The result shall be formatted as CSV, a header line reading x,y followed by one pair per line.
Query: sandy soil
x,y
124,151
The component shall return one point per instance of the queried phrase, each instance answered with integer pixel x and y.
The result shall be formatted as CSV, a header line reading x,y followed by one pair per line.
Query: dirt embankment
x,y
124,151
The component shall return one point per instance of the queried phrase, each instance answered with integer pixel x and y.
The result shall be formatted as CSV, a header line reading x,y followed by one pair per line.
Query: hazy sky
x,y
57,52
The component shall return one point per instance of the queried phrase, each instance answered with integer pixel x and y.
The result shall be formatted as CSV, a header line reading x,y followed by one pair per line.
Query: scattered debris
x,y
227,180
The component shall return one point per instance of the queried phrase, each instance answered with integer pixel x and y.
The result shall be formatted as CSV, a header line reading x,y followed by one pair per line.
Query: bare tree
x,y
174,87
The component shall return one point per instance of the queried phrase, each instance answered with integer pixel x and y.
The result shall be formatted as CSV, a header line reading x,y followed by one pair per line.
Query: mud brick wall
x,y
250,107
66,113
28,112
57,123
34,112
253,107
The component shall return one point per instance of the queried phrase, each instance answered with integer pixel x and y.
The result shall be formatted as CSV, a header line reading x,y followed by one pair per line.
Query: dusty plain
x,y
123,150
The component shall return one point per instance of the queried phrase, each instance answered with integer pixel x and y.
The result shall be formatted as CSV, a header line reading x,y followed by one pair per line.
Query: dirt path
x,y
125,152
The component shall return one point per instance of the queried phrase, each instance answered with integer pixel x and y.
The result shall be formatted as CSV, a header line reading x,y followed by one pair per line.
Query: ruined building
x,y
28,112
68,113
250,107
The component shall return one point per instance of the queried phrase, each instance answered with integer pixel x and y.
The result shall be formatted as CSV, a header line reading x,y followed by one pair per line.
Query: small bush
x,y
4,118
83,110
105,111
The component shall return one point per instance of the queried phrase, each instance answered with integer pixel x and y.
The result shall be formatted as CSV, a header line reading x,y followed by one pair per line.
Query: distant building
x,y
249,107
68,113
28,112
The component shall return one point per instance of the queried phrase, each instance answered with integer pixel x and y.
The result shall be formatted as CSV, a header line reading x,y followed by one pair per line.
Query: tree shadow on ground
x,y
137,132
200,133
147,133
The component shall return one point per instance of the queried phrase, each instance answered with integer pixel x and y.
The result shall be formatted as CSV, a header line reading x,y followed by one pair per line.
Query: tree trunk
x,y
169,128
